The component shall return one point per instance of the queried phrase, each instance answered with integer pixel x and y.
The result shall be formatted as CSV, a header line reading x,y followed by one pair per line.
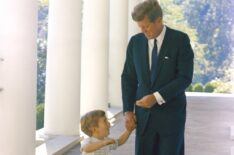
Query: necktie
x,y
154,58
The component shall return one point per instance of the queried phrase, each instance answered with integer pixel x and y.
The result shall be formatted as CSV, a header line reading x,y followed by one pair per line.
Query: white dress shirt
x,y
159,39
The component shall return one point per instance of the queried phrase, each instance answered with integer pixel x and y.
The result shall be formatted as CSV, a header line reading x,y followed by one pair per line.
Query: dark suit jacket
x,y
174,74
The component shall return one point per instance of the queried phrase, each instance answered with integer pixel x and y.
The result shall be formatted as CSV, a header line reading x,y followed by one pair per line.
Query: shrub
x,y
197,87
209,87
40,116
222,86
189,88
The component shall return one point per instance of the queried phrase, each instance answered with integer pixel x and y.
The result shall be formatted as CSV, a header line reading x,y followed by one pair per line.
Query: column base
x,y
54,144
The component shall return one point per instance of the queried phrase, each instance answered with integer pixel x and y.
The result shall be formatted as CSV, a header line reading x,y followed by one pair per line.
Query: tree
x,y
175,18
214,22
42,49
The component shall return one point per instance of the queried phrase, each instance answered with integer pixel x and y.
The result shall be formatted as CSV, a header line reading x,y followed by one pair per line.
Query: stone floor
x,y
207,129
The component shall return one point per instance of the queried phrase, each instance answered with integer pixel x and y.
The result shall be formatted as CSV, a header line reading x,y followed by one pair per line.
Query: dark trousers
x,y
152,143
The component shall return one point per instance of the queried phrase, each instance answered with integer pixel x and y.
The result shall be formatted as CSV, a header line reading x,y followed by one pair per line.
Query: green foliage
x,y
43,2
175,18
41,68
214,86
210,26
40,116
189,88
209,87
214,21
197,87
41,49
222,87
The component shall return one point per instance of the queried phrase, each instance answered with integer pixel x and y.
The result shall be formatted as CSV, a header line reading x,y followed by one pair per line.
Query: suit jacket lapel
x,y
162,53
145,59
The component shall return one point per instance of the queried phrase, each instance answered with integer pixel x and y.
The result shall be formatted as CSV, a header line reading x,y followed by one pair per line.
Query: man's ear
x,y
159,19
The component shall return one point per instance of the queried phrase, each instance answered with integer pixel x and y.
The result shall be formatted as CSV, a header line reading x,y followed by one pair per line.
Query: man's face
x,y
151,29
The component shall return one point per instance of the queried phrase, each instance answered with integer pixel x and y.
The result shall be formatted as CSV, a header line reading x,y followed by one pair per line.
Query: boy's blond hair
x,y
90,120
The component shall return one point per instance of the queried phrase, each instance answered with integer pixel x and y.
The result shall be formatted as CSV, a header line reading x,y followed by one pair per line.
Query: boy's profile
x,y
96,126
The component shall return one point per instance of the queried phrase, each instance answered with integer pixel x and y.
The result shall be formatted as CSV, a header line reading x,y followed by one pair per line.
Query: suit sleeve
x,y
129,80
184,70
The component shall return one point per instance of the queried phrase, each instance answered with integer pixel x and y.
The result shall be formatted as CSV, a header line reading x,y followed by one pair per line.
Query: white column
x,y
117,48
94,71
18,66
132,25
62,98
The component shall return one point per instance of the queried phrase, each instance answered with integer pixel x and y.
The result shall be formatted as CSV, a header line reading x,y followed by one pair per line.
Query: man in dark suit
x,y
157,70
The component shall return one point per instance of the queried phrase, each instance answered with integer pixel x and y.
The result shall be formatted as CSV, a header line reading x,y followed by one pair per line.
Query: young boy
x,y
96,126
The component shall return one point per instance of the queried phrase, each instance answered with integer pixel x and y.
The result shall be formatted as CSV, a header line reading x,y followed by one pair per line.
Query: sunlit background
x,y
210,25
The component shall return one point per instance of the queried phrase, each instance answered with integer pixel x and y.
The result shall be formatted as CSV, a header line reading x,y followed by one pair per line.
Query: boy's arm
x,y
97,145
124,137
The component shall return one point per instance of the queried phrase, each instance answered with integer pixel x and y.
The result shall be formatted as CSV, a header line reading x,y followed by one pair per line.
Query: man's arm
x,y
129,86
184,71
129,80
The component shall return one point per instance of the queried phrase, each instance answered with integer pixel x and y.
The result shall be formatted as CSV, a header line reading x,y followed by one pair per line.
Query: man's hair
x,y
149,8
90,120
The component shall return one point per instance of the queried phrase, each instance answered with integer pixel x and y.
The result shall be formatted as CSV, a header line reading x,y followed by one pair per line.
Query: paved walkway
x,y
207,129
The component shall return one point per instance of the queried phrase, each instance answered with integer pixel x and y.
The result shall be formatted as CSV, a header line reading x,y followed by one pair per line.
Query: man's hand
x,y
147,101
130,120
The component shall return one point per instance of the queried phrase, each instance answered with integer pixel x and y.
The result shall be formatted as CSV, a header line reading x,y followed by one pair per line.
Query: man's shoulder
x,y
138,36
172,31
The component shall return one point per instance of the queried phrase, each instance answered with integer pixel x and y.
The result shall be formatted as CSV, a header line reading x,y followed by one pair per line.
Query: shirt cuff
x,y
159,98
116,142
